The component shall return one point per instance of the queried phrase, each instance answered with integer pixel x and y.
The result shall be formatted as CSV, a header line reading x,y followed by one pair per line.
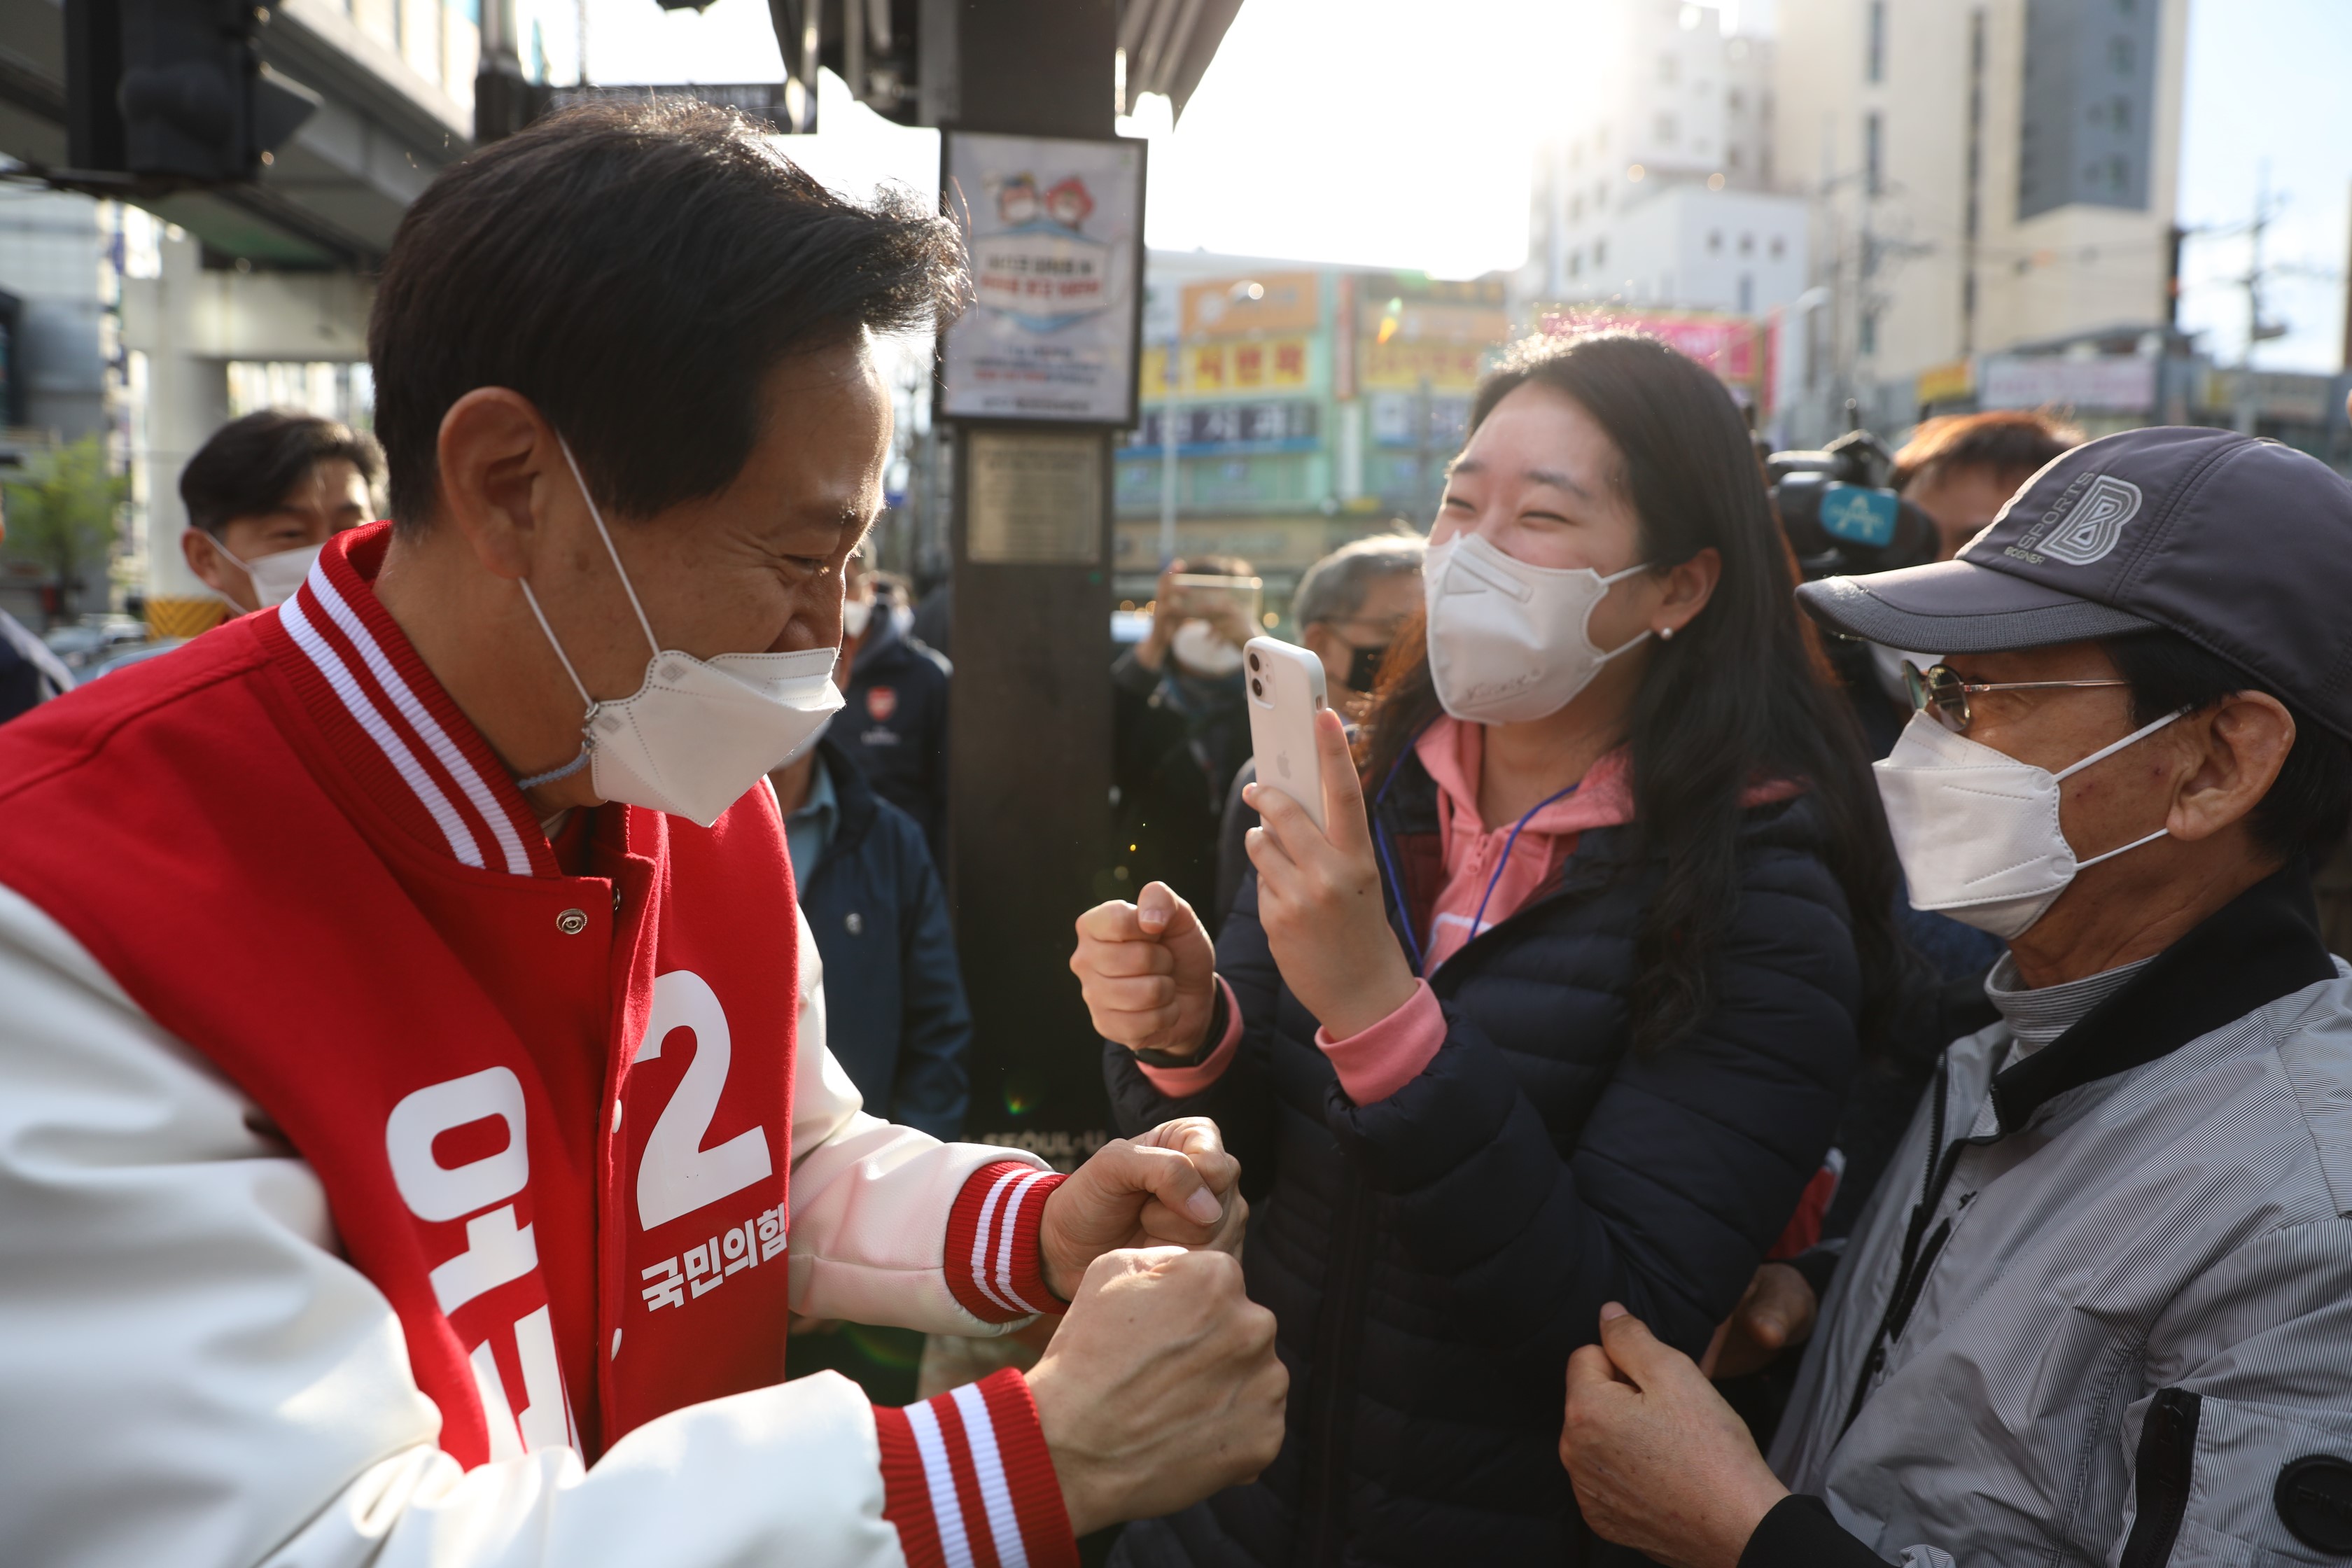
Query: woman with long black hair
x,y
1562,1007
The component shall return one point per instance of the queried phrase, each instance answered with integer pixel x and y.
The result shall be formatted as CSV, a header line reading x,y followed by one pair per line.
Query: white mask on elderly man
x,y
697,733
1509,642
1977,830
276,576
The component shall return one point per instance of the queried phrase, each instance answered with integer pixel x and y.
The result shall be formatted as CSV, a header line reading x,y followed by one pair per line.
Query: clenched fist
x,y
1148,972
1174,1184
1160,1387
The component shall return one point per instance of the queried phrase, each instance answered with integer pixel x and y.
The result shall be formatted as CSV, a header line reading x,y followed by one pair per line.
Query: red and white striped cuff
x,y
968,1482
992,1266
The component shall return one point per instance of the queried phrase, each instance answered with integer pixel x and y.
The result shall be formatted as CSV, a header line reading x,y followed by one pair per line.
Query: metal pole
x,y
853,47
2247,416
1424,505
1171,378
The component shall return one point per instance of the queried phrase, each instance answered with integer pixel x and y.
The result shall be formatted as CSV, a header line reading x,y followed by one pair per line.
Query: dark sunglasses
x,y
1941,691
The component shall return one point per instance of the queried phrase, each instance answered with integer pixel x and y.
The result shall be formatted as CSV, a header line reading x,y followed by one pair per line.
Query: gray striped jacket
x,y
2100,1309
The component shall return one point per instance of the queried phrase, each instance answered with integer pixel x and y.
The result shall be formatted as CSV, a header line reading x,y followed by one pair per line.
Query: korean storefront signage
x,y
1261,304
1212,369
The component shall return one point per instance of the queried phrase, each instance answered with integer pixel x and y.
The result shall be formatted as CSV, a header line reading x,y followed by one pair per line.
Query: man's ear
x,y
204,558
500,468
2240,746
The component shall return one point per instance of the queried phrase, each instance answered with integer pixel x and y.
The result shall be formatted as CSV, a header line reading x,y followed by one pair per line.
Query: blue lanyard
x,y
1396,884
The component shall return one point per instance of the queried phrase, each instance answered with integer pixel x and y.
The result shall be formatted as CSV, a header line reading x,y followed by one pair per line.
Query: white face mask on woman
x,y
1509,642
696,733
1977,830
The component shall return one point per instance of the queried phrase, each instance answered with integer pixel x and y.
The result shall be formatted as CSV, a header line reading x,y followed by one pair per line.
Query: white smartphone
x,y
1285,690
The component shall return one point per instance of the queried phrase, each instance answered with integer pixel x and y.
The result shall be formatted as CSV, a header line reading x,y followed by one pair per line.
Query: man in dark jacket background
x,y
896,1016
1180,733
29,673
895,1010
894,727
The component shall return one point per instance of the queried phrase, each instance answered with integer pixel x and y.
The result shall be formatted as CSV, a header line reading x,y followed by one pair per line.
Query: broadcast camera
x,y
1842,517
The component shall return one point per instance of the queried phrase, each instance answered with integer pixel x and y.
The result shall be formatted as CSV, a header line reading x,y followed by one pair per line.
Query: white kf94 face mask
x,y
697,733
1509,642
275,577
1977,830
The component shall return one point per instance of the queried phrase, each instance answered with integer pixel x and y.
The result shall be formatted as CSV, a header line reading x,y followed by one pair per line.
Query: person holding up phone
x,y
1561,1006
1181,728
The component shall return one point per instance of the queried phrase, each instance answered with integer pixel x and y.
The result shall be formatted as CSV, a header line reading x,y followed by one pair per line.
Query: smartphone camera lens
x,y
1253,661
1257,687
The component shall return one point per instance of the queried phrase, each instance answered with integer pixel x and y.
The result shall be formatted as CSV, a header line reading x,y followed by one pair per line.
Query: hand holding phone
x,y
1286,689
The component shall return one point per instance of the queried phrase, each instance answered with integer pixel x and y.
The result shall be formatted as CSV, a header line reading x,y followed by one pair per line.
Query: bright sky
x,y
1392,132
2266,83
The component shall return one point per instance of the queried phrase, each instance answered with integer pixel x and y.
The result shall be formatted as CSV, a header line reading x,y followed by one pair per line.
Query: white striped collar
x,y
389,719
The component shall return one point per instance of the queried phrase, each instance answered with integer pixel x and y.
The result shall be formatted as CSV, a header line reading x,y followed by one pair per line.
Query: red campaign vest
x,y
551,1113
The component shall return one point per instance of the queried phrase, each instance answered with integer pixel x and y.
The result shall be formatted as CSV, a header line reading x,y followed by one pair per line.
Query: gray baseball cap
x,y
2243,546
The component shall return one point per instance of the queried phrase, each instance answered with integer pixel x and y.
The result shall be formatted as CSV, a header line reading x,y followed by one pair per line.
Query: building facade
x,y
1983,175
1658,188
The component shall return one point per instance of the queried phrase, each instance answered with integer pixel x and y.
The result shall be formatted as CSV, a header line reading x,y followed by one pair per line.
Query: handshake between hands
x,y
1162,1384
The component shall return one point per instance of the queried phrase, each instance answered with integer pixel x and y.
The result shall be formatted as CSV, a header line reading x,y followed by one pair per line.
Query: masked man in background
x,y
264,495
1179,732
415,1121
2098,1311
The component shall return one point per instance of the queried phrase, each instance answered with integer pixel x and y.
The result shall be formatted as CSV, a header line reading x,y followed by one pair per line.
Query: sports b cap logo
x,y
2083,525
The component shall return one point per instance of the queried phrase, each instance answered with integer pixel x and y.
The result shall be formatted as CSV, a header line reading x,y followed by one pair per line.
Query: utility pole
x,y
1029,758
2348,318
2258,330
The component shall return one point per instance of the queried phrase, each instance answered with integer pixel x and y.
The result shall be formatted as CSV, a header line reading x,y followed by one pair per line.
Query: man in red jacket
x,y
458,1221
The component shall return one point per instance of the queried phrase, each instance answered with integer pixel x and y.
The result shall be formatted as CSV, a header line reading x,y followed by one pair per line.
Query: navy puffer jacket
x,y
1432,1258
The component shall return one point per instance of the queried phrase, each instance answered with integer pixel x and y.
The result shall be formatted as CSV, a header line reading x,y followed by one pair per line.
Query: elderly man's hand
x,y
1173,1185
1660,1462
1160,1387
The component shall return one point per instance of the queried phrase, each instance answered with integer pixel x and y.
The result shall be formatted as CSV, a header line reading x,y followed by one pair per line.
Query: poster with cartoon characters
x,y
1054,233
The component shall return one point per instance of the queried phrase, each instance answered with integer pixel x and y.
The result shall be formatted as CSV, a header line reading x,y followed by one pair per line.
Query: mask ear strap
x,y
541,617
2142,733
598,516
2134,844
1643,635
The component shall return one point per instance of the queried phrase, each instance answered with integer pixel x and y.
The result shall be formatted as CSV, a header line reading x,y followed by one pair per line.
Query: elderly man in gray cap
x,y
2100,1309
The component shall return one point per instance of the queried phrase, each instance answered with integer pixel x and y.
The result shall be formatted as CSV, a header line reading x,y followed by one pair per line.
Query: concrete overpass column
x,y
190,322
187,400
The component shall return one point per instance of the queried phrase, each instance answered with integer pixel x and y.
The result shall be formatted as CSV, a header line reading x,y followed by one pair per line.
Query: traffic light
x,y
174,91
869,44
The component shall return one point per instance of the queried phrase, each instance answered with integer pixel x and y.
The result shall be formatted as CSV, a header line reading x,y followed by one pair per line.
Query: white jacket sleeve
x,y
192,1376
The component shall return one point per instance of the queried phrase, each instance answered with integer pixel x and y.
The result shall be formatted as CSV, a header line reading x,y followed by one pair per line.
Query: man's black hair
x,y
2309,806
635,269
251,464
